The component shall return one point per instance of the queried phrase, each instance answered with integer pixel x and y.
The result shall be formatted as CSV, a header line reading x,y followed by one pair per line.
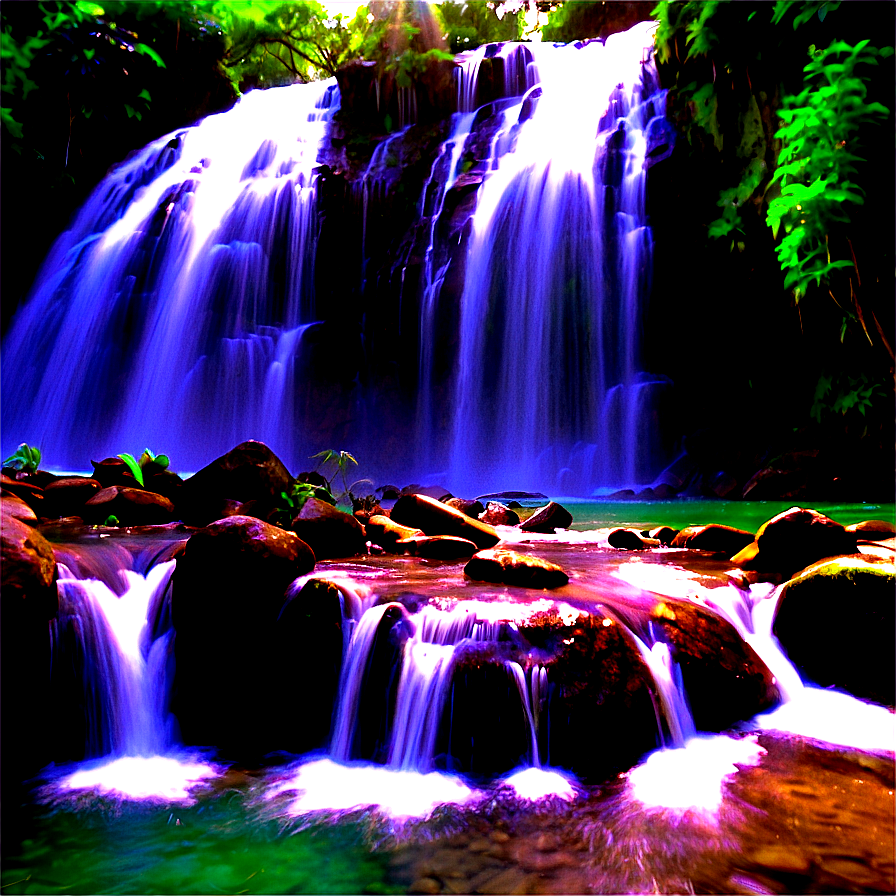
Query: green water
x,y
223,844
749,515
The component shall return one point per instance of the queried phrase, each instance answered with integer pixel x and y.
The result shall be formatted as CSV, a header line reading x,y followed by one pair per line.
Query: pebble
x,y
428,885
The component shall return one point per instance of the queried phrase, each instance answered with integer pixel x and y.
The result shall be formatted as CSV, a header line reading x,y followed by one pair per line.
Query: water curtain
x,y
179,309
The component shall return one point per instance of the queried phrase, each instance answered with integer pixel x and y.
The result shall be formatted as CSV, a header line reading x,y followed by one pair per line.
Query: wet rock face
x,y
29,601
583,675
598,683
310,617
228,590
724,678
835,621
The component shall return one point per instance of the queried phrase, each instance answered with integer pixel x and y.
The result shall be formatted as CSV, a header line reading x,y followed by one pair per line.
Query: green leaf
x,y
149,51
133,466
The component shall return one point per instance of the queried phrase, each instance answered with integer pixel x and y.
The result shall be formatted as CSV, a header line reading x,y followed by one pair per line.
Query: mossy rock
x,y
836,620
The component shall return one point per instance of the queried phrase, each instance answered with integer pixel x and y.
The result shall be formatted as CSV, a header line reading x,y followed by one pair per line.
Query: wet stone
x,y
425,885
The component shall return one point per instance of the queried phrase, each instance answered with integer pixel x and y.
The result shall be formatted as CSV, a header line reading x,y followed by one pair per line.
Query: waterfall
x,y
172,312
558,269
183,309
124,661
666,675
426,665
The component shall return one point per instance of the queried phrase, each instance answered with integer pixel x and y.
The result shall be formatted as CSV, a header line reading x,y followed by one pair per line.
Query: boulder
x,y
548,518
714,537
16,508
630,540
386,532
28,572
436,518
330,532
249,471
795,539
498,514
470,507
724,678
312,617
228,590
130,506
583,674
513,568
163,482
437,547
28,600
68,495
835,620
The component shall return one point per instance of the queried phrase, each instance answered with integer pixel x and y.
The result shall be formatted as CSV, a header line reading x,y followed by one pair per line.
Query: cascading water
x,y
173,310
557,272
178,311
125,668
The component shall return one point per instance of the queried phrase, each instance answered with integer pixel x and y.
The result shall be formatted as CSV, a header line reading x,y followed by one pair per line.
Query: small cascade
x,y
532,685
666,675
428,641
124,644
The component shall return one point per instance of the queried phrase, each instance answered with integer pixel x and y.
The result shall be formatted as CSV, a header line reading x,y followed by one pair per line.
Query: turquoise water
x,y
679,513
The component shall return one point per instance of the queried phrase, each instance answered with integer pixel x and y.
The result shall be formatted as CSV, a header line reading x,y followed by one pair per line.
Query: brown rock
x,y
497,514
11,506
113,471
229,588
131,506
835,620
28,570
436,518
798,537
513,568
249,471
67,495
32,495
630,540
548,518
714,537
663,534
470,507
873,530
330,532
724,678
437,547
385,532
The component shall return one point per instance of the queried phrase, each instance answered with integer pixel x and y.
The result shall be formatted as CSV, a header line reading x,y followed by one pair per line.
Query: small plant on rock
x,y
25,460
137,466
